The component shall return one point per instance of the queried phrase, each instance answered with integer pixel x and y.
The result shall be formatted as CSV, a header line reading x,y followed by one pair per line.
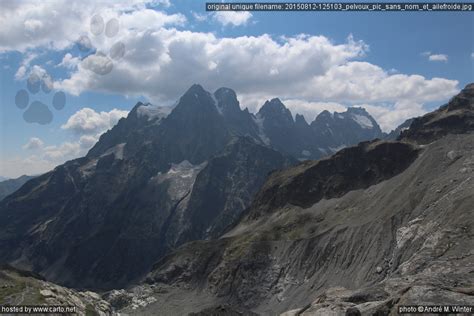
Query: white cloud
x,y
364,82
472,55
390,117
89,122
200,17
20,73
69,61
25,64
438,57
56,24
234,18
163,63
13,167
86,126
435,57
33,143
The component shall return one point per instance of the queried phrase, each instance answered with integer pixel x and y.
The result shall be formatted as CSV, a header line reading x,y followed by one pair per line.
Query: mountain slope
x,y
9,186
315,241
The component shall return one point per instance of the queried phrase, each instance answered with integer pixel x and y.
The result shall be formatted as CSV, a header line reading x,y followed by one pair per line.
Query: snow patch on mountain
x,y
261,132
181,177
363,121
216,103
117,151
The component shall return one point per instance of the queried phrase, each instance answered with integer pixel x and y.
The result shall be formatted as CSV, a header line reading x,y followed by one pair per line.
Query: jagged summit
x,y
357,109
275,108
227,102
300,120
195,88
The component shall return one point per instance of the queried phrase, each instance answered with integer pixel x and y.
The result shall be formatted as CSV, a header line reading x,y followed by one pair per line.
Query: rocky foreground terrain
x,y
19,287
382,224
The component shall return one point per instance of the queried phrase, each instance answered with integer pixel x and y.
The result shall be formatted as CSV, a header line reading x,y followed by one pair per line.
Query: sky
x,y
69,70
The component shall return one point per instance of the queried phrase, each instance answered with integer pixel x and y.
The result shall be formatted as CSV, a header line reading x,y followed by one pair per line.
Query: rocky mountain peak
x,y
464,100
324,116
300,120
357,110
195,98
277,110
227,101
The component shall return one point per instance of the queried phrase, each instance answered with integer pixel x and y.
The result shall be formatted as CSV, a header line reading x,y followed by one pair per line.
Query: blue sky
x,y
397,65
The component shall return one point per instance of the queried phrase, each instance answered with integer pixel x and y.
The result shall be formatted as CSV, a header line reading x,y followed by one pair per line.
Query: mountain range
x,y
159,178
207,209
373,227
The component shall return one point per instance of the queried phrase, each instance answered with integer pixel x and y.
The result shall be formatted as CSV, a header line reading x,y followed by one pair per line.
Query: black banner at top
x,y
342,6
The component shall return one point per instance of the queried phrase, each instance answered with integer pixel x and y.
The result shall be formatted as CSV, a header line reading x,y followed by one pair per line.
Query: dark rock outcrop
x,y
456,117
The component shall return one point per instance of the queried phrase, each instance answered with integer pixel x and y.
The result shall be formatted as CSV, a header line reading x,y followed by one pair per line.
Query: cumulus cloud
x,y
56,24
86,121
25,64
13,167
438,57
163,63
86,126
365,82
200,17
33,143
69,61
390,117
233,18
435,57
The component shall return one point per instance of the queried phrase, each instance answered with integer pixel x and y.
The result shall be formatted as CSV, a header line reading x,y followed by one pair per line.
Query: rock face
x,y
375,226
9,186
